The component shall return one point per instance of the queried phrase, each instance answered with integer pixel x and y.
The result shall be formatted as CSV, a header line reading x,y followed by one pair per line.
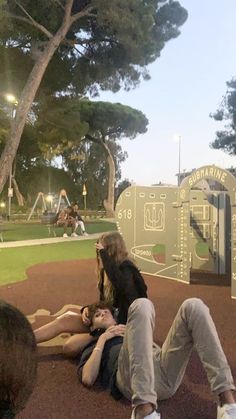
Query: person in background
x,y
119,284
18,360
126,360
78,219
66,219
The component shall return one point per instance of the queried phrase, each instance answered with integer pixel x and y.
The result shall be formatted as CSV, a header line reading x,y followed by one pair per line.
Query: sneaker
x,y
84,233
74,235
65,235
227,411
153,415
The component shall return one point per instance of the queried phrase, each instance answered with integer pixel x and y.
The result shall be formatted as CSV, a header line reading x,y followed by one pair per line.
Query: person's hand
x,y
99,246
112,331
85,318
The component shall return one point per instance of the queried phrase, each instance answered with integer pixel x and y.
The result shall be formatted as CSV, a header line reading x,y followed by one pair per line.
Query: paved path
x,y
49,240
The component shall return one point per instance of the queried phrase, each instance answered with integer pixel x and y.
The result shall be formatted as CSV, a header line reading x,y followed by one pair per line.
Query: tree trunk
x,y
109,202
27,97
19,196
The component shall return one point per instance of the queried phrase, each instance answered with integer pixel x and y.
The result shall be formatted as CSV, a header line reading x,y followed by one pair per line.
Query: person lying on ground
x,y
119,284
18,360
125,358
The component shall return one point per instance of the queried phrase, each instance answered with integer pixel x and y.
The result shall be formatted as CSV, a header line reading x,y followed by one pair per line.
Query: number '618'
x,y
125,213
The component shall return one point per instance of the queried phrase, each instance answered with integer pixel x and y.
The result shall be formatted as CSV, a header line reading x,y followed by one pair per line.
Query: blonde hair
x,y
115,246
108,290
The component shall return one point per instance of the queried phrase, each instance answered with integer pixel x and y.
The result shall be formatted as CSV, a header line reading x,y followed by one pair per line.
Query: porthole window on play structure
x,y
159,253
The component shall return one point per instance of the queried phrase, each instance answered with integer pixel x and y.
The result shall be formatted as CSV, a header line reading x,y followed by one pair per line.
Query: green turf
x,y
30,231
15,261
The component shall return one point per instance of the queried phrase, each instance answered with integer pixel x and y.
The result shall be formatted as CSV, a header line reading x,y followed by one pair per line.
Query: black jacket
x,y
127,282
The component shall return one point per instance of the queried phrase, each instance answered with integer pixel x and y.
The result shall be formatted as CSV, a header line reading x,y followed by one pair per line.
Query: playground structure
x,y
44,198
172,230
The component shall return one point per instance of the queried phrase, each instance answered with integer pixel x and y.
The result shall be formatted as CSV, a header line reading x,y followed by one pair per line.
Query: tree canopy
x,y
84,134
75,46
108,44
226,138
102,123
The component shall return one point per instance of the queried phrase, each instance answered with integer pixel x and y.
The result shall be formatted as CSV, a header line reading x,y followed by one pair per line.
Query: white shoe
x,y
153,415
84,233
227,411
65,235
74,235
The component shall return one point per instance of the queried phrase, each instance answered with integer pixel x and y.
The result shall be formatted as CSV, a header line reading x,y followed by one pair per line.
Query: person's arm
x,y
79,218
61,215
118,278
92,366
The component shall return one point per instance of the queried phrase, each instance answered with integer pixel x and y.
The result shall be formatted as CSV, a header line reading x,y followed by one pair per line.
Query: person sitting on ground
x,y
65,219
18,360
78,219
119,284
126,359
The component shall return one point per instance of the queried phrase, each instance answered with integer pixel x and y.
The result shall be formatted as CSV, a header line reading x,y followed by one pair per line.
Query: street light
x,y
179,172
49,199
11,99
84,193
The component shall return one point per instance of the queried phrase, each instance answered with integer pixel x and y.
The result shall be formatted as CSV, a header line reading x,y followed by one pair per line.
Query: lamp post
x,y
84,193
179,168
49,199
2,206
11,99
177,138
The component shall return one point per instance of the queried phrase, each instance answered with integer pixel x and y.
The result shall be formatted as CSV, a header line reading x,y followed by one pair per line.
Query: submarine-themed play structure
x,y
172,231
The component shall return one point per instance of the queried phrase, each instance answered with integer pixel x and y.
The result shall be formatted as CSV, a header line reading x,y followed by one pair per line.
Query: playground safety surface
x,y
59,395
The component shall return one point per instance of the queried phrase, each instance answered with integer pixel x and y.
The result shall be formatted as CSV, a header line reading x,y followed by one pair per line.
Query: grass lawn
x,y
29,231
15,261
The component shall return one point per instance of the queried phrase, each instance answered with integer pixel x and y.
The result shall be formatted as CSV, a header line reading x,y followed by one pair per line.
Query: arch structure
x,y
163,226
228,181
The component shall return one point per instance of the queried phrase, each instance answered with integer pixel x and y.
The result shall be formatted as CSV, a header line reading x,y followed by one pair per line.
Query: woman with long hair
x,y
120,281
119,284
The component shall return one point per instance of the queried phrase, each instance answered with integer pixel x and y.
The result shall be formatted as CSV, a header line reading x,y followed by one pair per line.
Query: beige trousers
x,y
147,373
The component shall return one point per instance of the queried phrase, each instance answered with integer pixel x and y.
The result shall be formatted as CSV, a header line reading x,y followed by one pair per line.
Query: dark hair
x,y
18,360
96,306
92,310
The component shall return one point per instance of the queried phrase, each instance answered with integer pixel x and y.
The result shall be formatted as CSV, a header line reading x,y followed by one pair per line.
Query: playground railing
x,y
23,217
92,213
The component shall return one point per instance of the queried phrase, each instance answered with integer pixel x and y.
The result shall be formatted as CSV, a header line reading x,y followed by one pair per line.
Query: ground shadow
x,y
206,278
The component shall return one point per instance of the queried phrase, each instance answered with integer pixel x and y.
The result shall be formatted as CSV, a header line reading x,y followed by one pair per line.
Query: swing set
x,y
45,198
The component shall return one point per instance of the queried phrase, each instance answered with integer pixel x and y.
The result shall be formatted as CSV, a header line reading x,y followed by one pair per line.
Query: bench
x,y
49,220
